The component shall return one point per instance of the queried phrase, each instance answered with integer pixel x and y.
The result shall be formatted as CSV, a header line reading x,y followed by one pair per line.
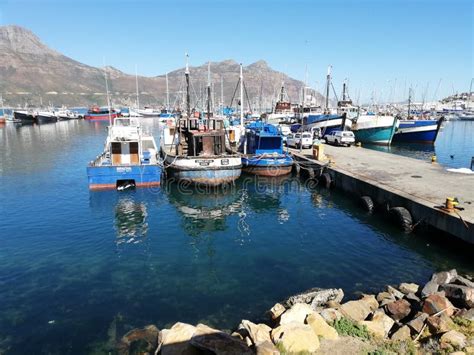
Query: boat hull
x,y
206,171
41,119
375,129
100,117
413,131
325,123
267,166
24,117
108,177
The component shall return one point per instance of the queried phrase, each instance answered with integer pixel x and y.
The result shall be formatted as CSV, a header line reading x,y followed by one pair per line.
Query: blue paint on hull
x,y
422,131
267,166
107,176
376,135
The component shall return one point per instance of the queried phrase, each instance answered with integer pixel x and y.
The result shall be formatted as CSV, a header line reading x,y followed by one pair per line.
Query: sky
x,y
382,47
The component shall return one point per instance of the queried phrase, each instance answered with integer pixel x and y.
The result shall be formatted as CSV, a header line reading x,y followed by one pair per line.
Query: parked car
x,y
298,140
341,138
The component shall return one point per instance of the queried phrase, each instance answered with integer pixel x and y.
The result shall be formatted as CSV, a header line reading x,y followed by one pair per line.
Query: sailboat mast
x,y
136,87
209,90
188,99
328,84
241,96
167,93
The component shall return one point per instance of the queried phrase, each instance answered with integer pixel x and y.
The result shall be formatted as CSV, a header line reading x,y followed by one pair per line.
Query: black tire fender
x,y
402,217
367,203
326,180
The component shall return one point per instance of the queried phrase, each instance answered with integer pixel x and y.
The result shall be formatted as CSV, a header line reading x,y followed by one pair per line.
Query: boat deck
x,y
419,186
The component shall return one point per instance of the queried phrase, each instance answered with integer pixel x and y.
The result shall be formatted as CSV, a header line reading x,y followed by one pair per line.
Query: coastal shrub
x,y
464,326
346,327
283,351
387,347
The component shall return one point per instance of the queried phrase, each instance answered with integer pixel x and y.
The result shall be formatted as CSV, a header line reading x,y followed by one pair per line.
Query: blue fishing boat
x,y
263,151
326,123
129,158
417,131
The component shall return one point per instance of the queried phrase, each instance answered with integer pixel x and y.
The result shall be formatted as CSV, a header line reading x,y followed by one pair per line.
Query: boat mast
x,y
167,94
409,103
222,95
136,87
344,88
188,99
108,97
328,84
209,90
241,96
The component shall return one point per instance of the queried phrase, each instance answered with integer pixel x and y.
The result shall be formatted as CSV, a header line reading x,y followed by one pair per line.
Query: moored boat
x,y
263,151
42,117
24,116
96,113
129,159
417,131
374,128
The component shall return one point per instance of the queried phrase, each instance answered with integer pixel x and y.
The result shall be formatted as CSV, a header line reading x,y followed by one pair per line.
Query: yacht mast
x,y
241,96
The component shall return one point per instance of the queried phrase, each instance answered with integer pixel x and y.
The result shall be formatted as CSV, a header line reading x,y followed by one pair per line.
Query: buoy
x,y
402,218
367,203
433,159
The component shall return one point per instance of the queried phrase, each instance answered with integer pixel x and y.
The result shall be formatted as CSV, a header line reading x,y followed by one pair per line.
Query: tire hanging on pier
x,y
296,169
402,218
326,180
367,203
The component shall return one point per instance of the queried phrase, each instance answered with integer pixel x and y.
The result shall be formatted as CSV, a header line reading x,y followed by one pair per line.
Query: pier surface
x,y
419,186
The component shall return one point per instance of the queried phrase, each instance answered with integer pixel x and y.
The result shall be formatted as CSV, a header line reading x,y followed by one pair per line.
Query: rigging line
x,y
235,91
247,96
334,91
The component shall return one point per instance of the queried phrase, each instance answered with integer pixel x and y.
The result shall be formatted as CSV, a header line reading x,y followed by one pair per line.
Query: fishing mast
x,y
241,96
409,103
188,99
136,87
108,97
328,84
167,94
209,90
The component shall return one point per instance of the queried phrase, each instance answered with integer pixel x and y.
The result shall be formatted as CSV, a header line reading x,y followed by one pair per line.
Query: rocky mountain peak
x,y
21,40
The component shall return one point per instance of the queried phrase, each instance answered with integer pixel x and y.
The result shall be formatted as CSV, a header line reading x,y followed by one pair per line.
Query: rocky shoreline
x,y
437,317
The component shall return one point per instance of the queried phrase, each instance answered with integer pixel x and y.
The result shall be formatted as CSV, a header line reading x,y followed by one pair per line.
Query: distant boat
x,y
24,116
65,114
129,158
45,117
263,152
148,112
96,113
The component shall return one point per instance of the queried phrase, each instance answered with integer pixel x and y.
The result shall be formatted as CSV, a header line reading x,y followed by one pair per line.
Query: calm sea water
x,y
80,268
454,146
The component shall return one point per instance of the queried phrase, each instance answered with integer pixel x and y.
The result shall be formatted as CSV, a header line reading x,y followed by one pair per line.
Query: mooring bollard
x,y
433,159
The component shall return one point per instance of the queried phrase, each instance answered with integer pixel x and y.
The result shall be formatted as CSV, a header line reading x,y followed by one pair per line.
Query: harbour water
x,y
80,268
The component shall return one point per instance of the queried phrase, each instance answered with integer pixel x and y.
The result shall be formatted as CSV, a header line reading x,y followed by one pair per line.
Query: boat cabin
x,y
264,139
203,137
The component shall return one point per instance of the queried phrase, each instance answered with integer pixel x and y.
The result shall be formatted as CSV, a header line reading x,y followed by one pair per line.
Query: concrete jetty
x,y
397,181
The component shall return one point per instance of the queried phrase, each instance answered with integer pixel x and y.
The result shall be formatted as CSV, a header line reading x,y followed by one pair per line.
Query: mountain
x,y
31,72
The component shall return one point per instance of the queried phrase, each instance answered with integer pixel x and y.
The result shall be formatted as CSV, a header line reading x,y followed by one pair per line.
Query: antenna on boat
x,y
136,86
186,75
241,96
208,90
328,83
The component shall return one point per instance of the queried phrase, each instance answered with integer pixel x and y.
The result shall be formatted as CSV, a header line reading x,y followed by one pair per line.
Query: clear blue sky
x,y
377,44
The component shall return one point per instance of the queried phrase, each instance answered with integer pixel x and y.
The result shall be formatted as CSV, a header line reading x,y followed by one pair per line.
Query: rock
x,y
355,310
459,280
394,292
266,348
371,302
444,277
466,314
398,310
417,323
430,288
469,349
297,313
320,327
258,333
385,296
218,342
387,322
333,304
463,296
402,334
436,303
454,338
375,328
412,298
437,325
296,337
330,315
316,297
276,311
176,340
140,340
407,288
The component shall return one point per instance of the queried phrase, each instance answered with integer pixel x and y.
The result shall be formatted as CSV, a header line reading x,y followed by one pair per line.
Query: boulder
x,y
398,310
266,348
438,325
430,288
176,340
382,296
316,297
387,322
333,304
407,288
371,302
454,338
355,310
330,315
258,333
466,314
444,277
217,342
276,311
297,313
140,340
320,327
296,337
436,303
394,292
462,296
375,328
402,334
417,323
459,280
412,298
